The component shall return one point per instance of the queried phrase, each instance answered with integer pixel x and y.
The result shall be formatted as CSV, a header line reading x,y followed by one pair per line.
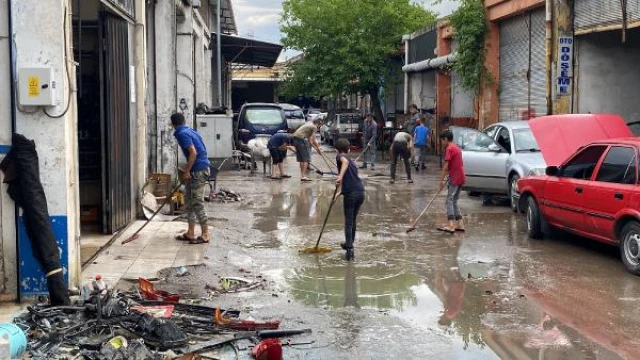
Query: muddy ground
x,y
488,293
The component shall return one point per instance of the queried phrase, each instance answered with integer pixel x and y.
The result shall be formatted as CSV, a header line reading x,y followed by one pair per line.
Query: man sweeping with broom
x,y
353,192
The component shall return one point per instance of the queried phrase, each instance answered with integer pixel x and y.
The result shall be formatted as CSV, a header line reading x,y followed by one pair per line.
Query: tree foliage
x,y
470,25
346,43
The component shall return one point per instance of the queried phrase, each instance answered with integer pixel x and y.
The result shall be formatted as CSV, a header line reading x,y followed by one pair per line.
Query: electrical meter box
x,y
217,134
36,87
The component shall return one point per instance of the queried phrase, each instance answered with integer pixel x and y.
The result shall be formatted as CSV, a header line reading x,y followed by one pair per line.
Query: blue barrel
x,y
16,337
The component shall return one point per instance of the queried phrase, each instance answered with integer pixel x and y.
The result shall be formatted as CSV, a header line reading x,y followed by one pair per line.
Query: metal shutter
x,y
591,13
538,81
523,66
514,62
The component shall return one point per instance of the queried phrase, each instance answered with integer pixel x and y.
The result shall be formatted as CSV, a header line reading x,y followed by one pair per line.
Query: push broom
x,y
317,249
415,223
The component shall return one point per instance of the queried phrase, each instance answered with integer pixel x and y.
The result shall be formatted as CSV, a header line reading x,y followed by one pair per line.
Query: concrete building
x,y
74,82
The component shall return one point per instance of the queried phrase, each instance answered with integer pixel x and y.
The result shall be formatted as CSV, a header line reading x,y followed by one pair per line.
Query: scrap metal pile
x,y
225,196
147,324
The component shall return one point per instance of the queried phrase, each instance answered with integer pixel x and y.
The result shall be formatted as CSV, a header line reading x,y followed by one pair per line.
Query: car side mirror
x,y
495,148
552,171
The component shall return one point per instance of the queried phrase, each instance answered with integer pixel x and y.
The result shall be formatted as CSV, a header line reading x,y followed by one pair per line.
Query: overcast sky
x,y
259,18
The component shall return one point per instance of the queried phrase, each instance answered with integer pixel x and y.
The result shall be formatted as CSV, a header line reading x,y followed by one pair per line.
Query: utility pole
x,y
219,50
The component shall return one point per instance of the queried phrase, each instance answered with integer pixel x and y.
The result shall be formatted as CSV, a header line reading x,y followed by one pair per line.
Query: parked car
x,y
343,125
313,114
259,119
295,116
591,185
497,157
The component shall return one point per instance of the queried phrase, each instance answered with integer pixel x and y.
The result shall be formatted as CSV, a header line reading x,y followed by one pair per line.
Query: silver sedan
x,y
497,157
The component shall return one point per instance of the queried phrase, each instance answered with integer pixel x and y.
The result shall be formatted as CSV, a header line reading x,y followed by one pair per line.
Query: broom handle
x,y
333,201
427,207
363,151
165,202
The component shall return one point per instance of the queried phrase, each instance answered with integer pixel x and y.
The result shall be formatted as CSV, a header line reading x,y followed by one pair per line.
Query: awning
x,y
238,50
430,63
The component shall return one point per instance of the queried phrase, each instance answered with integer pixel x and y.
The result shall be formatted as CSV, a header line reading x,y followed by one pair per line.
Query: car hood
x,y
530,160
559,136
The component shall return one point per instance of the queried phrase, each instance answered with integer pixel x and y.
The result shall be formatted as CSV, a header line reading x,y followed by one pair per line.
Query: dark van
x,y
260,119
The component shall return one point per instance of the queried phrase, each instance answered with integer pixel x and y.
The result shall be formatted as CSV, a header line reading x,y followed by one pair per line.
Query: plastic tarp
x,y
560,136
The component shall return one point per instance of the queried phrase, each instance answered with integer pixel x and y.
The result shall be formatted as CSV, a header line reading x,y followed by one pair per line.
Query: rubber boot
x,y
350,255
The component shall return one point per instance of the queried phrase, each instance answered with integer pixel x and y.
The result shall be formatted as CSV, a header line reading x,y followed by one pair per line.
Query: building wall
x,y
8,248
56,139
602,59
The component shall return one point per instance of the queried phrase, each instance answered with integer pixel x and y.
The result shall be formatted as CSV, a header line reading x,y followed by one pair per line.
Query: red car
x,y
591,183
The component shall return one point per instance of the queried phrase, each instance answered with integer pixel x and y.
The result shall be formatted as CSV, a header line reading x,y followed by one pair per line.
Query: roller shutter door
x,y
523,67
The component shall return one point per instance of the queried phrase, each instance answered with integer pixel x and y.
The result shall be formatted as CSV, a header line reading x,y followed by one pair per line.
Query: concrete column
x,y
184,66
443,79
165,35
562,13
200,72
8,248
140,60
489,101
39,33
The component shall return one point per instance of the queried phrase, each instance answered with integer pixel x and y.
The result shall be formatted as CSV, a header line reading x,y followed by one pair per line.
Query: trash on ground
x,y
146,324
225,196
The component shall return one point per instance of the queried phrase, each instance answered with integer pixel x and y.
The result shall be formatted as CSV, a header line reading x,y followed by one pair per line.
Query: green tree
x,y
470,24
347,44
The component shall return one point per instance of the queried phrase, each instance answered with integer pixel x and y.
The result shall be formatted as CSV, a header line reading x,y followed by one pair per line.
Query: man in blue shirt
x,y
421,142
195,176
369,137
278,145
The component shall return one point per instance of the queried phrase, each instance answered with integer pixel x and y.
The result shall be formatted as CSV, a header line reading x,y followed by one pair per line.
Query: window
x,y
264,116
582,165
504,139
476,141
619,166
524,141
491,131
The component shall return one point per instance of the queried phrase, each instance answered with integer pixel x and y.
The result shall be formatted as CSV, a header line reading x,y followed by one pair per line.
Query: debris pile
x,y
225,196
147,324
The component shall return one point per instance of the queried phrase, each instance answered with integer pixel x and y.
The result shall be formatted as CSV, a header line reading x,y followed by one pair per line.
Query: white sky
x,y
259,18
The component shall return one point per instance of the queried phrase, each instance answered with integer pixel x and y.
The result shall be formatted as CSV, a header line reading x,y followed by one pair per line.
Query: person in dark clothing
x,y
278,145
195,176
353,192
401,147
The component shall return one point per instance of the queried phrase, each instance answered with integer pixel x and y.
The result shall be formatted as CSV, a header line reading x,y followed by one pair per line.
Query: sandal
x,y
276,178
446,229
184,237
286,176
306,180
198,241
460,230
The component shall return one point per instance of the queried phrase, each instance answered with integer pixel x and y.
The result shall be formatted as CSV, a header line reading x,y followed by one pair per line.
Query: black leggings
x,y
352,203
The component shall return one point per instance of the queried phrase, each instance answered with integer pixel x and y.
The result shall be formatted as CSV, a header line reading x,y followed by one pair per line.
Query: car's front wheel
x,y
513,191
534,219
630,247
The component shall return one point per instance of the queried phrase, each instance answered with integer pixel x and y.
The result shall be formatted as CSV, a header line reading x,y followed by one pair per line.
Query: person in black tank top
x,y
353,191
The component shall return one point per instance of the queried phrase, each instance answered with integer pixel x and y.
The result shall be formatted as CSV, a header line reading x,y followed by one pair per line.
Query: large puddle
x,y
490,293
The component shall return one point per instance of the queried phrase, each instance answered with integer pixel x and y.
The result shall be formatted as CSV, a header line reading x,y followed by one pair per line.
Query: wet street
x,y
489,293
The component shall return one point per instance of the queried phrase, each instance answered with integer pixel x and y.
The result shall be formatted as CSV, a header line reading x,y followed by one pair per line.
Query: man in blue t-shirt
x,y
421,142
195,176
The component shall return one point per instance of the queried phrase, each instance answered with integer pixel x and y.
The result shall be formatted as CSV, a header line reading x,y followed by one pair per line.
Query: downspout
x,y
549,37
219,50
406,39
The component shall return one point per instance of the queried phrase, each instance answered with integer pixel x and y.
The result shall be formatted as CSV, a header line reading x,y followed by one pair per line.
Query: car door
x,y
611,189
564,200
484,161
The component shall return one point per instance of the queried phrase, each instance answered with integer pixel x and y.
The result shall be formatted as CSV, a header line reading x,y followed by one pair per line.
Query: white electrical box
x,y
36,87
217,134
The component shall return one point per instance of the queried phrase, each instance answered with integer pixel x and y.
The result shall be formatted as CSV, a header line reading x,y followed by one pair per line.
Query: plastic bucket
x,y
16,338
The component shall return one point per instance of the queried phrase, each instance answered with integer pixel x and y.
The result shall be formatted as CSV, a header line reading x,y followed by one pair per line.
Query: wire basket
x,y
162,184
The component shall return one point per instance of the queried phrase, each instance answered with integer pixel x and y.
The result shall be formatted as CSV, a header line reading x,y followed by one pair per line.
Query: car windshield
x,y
524,141
264,116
